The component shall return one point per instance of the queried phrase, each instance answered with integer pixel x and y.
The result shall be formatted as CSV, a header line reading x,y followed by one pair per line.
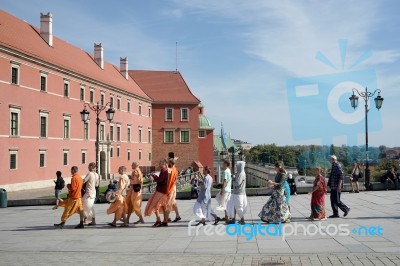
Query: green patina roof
x,y
204,123
218,143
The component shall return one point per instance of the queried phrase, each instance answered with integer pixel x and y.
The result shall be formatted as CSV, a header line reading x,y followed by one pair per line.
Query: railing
x,y
181,182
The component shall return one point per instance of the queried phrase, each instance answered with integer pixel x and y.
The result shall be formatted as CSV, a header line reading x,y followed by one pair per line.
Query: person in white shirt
x,y
225,194
89,198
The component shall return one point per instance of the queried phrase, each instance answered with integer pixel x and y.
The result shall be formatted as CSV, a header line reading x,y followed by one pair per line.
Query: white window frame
x,y
166,114
205,134
44,161
13,152
17,110
129,133
102,137
118,103
88,130
187,109
67,153
42,74
128,106
149,135
140,134
173,135
119,133
17,66
69,127
118,151
111,101
82,88
111,132
66,82
91,92
140,155
102,98
129,155
149,113
44,114
140,110
83,152
149,156
180,135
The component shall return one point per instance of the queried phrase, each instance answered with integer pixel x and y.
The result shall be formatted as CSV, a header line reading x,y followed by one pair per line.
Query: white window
x,y
129,155
15,73
112,101
119,104
149,111
13,159
149,135
43,82
91,95
129,134
140,155
66,88
169,114
43,117
118,150
169,136
140,109
149,156
42,158
140,135
15,113
83,157
128,107
82,94
102,97
102,133
118,132
202,134
184,114
185,136
111,132
65,157
67,127
86,130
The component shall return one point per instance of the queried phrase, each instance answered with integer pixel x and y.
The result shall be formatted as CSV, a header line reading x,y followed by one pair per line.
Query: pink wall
x,y
28,96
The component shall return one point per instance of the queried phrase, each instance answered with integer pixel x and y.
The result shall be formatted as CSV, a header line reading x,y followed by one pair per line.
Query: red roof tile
x,y
164,86
25,38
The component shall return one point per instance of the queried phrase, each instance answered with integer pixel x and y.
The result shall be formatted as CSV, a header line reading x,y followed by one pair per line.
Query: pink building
x,y
44,83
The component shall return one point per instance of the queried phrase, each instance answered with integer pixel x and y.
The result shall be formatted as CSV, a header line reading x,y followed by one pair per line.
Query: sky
x,y
270,71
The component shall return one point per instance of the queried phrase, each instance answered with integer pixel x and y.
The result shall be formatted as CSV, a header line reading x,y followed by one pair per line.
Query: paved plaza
x,y
29,238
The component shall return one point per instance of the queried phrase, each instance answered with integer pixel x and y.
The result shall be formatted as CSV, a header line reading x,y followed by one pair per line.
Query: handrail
x,y
182,180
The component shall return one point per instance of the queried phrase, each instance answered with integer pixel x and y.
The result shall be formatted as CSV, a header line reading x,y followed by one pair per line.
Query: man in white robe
x,y
89,198
237,204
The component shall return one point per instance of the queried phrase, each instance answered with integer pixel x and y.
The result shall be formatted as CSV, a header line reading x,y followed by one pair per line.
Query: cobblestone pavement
x,y
28,238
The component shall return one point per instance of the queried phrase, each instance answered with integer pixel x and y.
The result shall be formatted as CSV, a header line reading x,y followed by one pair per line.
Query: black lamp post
x,y
232,150
378,104
97,108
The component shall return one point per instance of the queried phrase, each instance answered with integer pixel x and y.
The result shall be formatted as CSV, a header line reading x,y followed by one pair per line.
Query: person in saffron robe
x,y
118,206
134,198
276,210
158,200
73,204
202,207
318,197
171,192
90,194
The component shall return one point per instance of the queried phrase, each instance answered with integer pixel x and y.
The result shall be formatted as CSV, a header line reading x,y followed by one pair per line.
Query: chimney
x,y
98,55
46,27
123,67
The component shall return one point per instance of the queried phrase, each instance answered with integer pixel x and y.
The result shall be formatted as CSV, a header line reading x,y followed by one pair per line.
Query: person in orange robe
x,y
134,199
118,206
158,200
172,178
74,202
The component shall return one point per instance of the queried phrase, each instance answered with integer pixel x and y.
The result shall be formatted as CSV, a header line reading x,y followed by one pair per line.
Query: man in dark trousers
x,y
335,182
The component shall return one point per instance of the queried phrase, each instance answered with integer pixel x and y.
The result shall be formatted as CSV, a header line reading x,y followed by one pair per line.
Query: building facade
x,y
178,124
44,84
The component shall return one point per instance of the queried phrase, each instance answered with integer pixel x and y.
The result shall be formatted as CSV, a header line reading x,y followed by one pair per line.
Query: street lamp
x,y
378,104
232,150
97,108
241,154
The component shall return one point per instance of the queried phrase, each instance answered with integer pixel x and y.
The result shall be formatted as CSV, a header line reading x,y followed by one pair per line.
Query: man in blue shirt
x,y
336,183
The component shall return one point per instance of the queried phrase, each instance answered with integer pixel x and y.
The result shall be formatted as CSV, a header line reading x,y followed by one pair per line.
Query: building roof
x,y
204,123
218,143
24,38
164,86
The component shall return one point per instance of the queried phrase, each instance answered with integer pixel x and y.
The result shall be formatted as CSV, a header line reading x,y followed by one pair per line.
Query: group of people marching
x,y
232,199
